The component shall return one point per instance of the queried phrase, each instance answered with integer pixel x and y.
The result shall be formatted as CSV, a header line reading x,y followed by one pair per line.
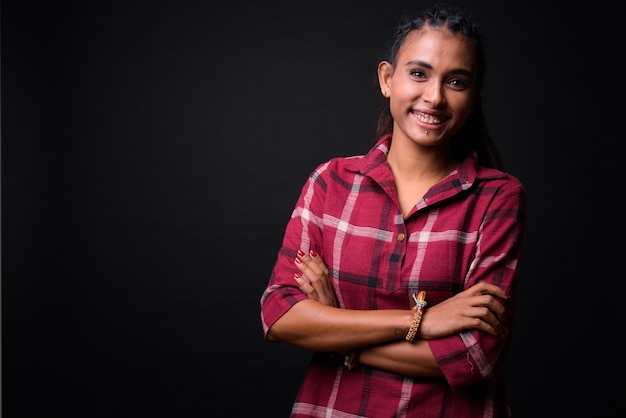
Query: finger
x,y
493,305
305,268
489,288
318,281
484,288
486,320
324,297
323,289
306,264
305,285
312,271
318,260
478,324
313,268
313,262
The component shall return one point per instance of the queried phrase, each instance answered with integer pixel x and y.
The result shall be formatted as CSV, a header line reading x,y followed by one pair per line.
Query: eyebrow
x,y
460,71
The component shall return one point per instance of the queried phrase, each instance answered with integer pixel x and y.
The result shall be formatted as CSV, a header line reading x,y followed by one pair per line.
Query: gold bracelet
x,y
420,304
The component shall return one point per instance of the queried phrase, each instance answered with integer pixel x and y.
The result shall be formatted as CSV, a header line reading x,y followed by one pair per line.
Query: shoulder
x,y
503,179
473,176
500,188
338,165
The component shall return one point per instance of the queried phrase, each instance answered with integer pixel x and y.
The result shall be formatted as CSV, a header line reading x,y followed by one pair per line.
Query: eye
x,y
458,84
417,73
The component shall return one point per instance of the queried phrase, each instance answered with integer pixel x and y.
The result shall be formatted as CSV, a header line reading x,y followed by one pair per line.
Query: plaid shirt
x,y
467,228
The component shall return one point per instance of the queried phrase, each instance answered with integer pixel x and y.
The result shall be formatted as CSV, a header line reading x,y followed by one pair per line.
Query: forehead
x,y
437,47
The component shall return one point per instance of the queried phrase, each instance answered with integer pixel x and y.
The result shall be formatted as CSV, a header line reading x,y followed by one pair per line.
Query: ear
x,y
385,71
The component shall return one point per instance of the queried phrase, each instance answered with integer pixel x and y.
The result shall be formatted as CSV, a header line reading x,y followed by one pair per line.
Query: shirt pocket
x,y
438,267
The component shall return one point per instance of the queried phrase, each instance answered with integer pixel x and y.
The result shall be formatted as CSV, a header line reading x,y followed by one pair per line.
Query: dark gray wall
x,y
151,155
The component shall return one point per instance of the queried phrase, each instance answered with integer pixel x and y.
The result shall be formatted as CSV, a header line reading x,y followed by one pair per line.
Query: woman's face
x,y
431,88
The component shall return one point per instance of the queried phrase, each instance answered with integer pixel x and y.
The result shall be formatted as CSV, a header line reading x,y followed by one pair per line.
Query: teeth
x,y
428,118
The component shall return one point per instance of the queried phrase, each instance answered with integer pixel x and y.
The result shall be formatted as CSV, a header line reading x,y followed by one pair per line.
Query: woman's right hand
x,y
315,280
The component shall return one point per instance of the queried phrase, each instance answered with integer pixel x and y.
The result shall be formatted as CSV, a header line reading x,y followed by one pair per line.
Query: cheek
x,y
402,98
462,107
394,108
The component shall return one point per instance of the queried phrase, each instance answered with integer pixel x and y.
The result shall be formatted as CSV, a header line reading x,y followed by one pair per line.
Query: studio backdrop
x,y
152,153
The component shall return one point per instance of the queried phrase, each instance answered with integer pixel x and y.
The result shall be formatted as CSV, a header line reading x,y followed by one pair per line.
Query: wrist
x,y
420,306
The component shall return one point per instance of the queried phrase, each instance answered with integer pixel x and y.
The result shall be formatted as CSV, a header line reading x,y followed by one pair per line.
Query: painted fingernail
x,y
298,261
313,253
297,276
301,253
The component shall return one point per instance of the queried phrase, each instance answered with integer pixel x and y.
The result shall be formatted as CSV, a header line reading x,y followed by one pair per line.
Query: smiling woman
x,y
152,153
398,268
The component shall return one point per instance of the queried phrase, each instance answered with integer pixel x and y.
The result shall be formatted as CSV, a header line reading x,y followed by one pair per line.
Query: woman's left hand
x,y
315,280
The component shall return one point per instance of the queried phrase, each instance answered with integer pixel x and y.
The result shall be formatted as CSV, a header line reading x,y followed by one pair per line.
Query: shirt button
x,y
401,237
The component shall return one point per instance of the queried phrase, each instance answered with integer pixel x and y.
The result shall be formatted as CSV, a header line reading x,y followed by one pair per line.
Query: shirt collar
x,y
467,174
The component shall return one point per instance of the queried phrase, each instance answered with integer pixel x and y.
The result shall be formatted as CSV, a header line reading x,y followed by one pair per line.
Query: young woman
x,y
398,267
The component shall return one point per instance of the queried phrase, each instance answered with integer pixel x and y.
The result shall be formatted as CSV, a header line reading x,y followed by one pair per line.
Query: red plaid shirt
x,y
467,228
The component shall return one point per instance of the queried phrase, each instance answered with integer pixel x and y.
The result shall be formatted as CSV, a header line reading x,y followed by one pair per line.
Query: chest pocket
x,y
436,265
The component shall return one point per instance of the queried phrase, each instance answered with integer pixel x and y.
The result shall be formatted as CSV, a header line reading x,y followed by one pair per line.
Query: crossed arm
x,y
317,323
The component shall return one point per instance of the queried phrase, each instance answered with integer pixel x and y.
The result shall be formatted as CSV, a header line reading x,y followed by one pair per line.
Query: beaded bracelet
x,y
420,303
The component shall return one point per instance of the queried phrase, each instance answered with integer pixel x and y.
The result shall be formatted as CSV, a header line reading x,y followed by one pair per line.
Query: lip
x,y
429,119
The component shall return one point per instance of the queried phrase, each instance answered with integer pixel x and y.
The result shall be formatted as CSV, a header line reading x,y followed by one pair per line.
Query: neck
x,y
431,163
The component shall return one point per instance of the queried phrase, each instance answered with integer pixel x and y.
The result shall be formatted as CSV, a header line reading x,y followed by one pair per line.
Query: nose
x,y
433,93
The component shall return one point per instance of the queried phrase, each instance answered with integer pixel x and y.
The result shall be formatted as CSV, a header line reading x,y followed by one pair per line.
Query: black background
x,y
151,155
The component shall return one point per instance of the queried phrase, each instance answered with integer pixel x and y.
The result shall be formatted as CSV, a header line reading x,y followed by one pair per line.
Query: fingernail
x,y
313,253
298,261
297,276
301,253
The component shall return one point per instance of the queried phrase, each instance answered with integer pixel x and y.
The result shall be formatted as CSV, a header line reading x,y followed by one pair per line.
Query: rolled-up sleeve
x,y
473,356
